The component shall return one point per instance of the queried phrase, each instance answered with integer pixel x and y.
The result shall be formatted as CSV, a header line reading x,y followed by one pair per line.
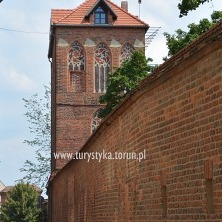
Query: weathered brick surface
x,y
72,112
176,117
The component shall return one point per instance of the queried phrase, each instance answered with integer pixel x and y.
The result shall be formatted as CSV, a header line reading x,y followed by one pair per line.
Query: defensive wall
x,y
175,117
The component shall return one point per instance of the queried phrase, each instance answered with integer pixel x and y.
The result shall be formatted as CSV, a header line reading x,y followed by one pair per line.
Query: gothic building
x,y
86,45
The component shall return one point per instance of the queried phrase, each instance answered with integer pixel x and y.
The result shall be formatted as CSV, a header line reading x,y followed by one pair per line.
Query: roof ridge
x,y
62,9
72,11
133,16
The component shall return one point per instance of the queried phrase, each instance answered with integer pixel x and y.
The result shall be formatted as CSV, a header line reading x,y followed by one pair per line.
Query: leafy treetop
x,y
178,41
39,116
188,5
123,80
21,205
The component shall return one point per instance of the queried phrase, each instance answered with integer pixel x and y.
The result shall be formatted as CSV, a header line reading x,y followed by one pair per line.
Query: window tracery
x,y
96,120
126,52
76,57
102,67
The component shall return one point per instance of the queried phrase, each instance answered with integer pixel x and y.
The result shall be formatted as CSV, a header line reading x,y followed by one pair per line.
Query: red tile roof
x,y
77,16
7,189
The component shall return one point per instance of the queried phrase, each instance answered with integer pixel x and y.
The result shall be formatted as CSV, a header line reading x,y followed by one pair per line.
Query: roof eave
x,y
145,26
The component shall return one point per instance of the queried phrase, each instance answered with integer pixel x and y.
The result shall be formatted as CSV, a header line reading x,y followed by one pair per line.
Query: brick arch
x,y
102,67
76,57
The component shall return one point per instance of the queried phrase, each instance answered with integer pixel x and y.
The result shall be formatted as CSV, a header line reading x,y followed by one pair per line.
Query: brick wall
x,y
175,115
72,112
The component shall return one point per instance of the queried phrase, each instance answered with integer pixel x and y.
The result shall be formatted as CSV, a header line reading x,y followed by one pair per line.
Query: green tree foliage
x,y
188,5
178,41
123,80
39,116
21,205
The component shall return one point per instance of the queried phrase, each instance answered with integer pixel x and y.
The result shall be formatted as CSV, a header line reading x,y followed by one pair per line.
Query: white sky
x,y
24,66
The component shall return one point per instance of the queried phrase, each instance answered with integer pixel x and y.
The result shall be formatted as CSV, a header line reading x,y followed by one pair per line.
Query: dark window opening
x,y
100,16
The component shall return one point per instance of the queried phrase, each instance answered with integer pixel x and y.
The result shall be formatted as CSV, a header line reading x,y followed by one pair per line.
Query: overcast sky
x,y
24,67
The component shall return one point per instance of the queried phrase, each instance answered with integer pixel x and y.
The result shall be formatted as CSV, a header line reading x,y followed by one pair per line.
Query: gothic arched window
x,y
126,52
76,67
96,120
76,57
102,67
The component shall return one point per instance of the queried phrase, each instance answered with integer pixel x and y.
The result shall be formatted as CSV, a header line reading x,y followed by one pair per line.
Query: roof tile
x,y
77,16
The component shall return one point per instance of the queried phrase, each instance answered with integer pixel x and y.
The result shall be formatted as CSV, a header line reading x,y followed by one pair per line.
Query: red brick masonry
x,y
176,116
72,111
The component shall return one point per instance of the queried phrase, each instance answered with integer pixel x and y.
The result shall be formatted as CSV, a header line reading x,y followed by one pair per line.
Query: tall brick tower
x,y
86,44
